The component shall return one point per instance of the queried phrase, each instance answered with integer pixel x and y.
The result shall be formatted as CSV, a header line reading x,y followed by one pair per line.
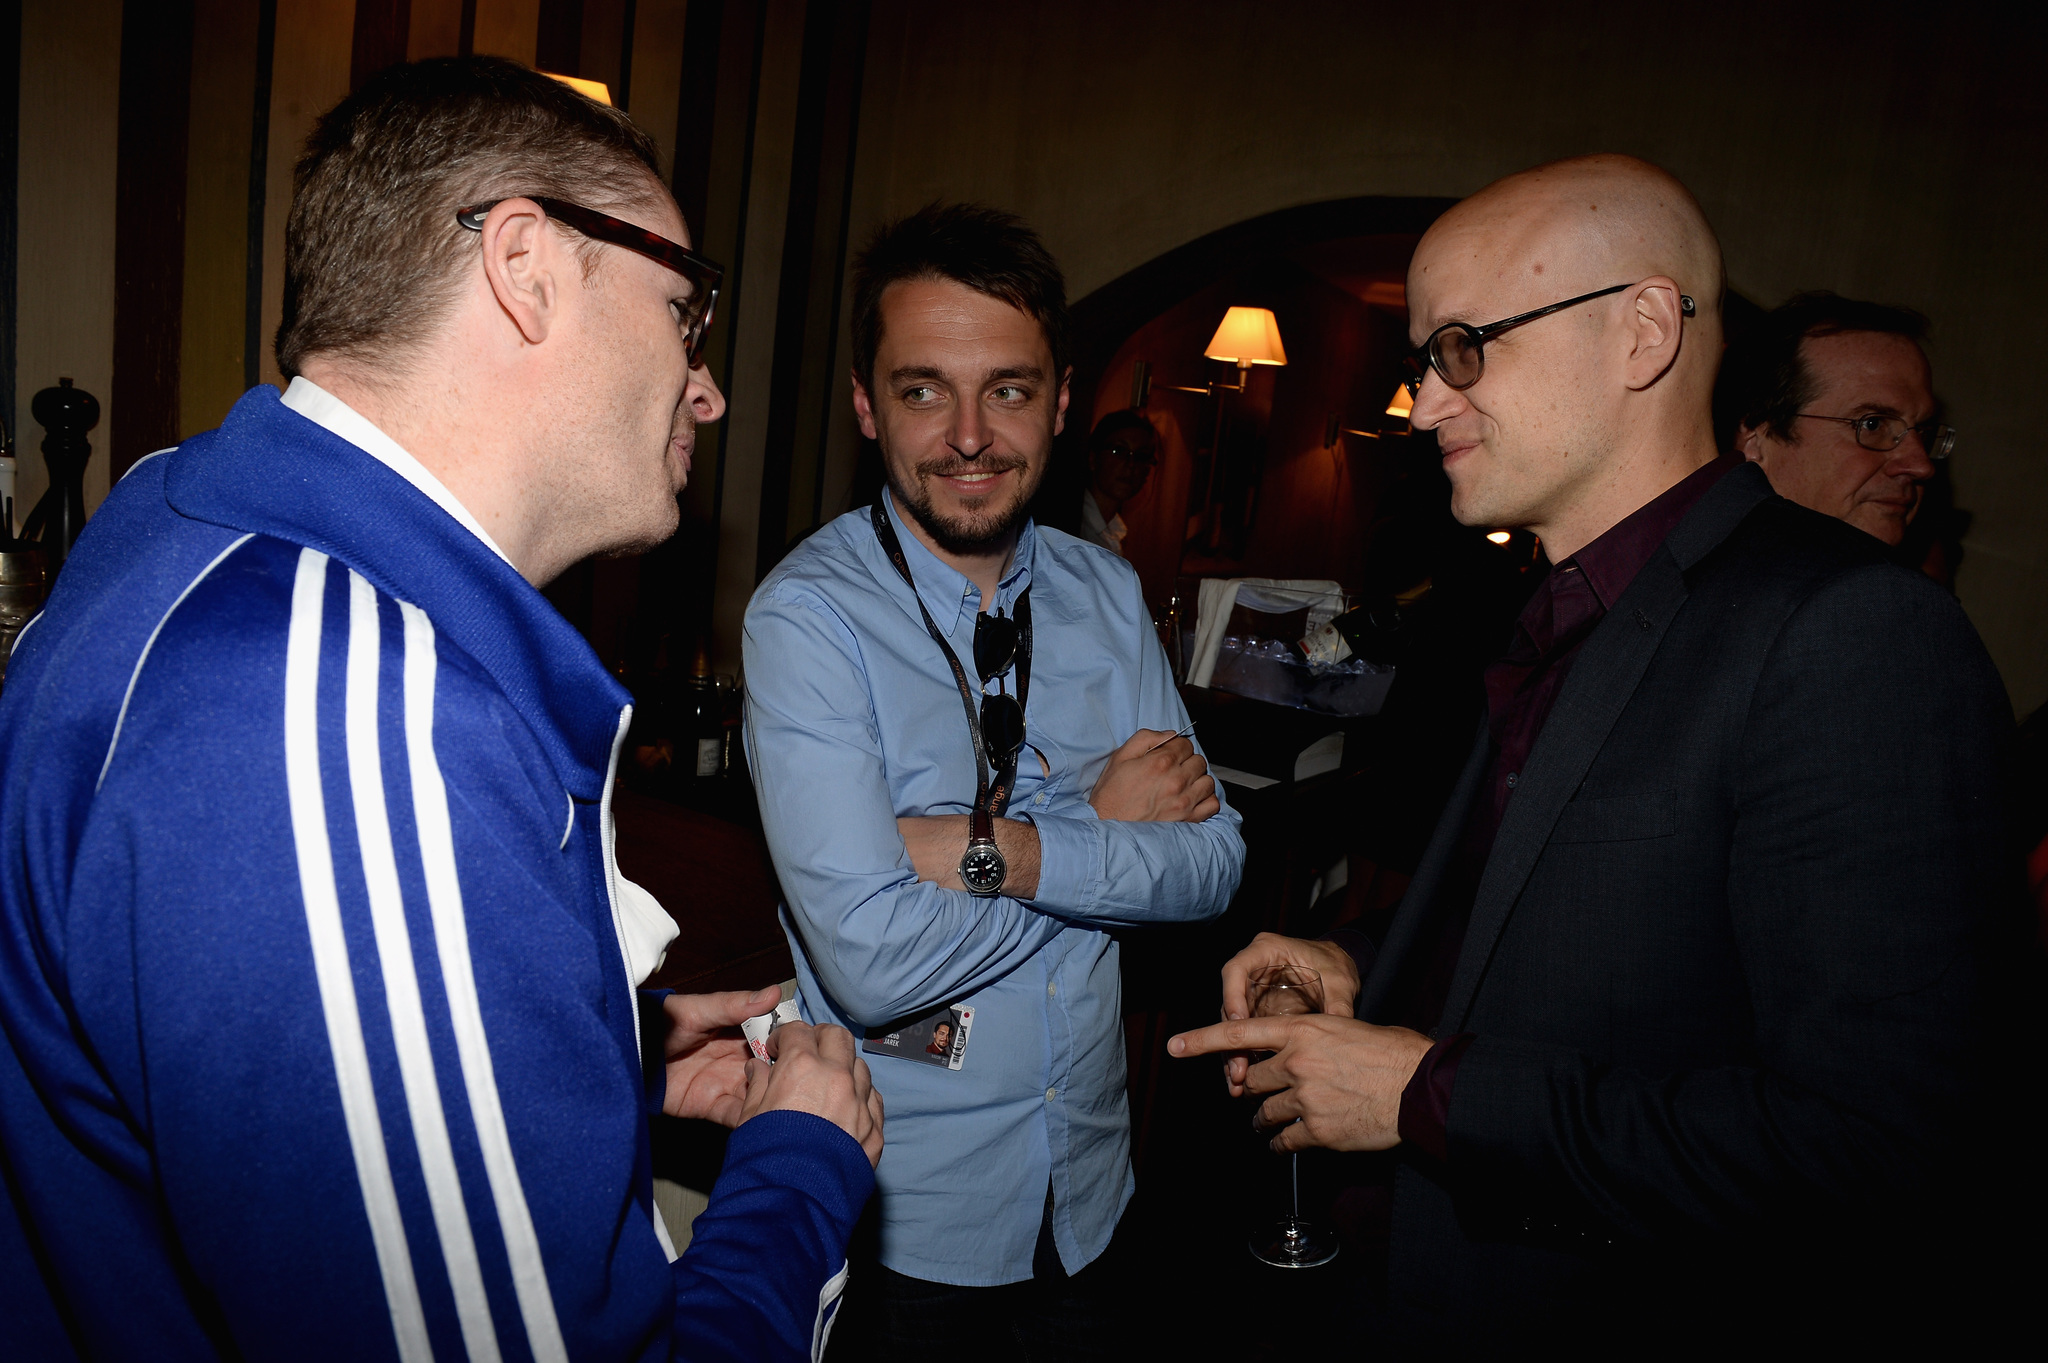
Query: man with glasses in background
x,y
319,978
969,755
1834,400
1680,1036
1123,449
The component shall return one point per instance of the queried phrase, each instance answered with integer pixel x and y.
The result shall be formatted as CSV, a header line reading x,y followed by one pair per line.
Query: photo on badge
x,y
937,1038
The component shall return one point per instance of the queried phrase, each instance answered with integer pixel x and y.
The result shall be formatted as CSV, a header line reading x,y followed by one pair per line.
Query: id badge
x,y
937,1038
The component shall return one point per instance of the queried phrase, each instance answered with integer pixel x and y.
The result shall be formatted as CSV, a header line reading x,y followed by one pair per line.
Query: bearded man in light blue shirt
x,y
867,651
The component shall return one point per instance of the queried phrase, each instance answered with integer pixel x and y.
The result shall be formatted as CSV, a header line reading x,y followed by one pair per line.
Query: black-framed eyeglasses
x,y
1457,350
704,275
1883,432
1002,716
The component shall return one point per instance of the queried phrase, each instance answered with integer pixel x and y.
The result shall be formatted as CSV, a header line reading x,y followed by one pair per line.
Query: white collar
x,y
323,409
1110,533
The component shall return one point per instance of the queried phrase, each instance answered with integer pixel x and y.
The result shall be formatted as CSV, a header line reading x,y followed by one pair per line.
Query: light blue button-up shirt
x,y
854,720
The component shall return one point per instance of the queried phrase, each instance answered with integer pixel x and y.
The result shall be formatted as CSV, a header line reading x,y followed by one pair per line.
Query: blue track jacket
x,y
320,1042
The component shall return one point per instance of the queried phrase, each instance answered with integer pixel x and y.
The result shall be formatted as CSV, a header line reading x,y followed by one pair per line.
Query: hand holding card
x,y
705,1054
817,1070
757,1030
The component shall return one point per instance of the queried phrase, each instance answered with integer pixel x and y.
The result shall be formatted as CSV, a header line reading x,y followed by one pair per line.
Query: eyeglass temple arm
x,y
1492,327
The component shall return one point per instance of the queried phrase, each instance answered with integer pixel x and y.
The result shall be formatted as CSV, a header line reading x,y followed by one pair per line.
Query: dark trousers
x,y
1050,1316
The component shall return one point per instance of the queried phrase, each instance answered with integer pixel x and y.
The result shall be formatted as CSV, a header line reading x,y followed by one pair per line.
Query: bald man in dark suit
x,y
1681,1028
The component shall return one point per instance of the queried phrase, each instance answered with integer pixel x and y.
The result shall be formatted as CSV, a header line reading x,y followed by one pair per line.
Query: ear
x,y
1749,443
1658,320
523,260
1059,416
864,408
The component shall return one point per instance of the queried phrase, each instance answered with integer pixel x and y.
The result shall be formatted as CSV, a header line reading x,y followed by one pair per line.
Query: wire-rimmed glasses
x,y
1883,432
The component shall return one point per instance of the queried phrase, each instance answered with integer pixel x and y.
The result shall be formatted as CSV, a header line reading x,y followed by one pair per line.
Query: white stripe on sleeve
x,y
830,1297
330,960
451,939
401,983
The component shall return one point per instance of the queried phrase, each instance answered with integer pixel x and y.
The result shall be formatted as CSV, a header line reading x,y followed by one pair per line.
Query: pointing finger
x,y
1243,1034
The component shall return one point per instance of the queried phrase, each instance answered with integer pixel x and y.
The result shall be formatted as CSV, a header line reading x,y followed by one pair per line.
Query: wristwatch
x,y
982,867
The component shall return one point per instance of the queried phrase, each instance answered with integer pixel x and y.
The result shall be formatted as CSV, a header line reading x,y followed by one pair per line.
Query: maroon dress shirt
x,y
1521,688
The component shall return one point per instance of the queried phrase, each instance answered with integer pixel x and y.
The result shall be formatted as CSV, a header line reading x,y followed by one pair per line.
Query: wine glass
x,y
1282,991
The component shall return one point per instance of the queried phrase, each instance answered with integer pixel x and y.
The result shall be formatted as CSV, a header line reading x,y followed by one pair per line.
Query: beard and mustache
x,y
982,528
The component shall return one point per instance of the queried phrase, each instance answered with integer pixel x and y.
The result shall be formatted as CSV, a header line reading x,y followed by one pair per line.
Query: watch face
x,y
982,869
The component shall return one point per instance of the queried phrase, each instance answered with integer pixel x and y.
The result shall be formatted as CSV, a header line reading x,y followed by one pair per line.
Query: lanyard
x,y
991,803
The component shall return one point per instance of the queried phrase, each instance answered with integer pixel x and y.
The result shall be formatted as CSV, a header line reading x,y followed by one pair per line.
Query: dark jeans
x,y
1049,1317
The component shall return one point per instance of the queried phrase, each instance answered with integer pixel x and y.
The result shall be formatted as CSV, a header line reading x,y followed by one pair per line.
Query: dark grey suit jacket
x,y
1724,964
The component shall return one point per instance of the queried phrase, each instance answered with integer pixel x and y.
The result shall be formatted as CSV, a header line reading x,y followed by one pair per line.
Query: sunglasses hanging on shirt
x,y
998,728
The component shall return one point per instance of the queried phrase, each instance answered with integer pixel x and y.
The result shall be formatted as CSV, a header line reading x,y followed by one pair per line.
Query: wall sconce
x,y
1399,405
1246,336
592,89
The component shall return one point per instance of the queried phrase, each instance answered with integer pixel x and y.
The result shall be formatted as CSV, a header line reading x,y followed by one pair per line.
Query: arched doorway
x,y
1249,483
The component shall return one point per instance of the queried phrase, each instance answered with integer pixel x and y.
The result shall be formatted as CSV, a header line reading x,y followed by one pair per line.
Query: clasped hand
x,y
1155,777
711,1073
1336,1082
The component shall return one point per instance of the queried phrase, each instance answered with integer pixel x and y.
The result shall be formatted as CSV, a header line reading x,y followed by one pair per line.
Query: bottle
x,y
700,727
8,469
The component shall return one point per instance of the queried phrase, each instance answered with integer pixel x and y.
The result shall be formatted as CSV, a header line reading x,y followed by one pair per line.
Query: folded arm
x,y
1155,777
1146,848
883,943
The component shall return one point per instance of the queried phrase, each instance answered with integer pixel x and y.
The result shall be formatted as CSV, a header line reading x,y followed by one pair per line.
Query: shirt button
x,y
1052,991
1051,1094
1512,778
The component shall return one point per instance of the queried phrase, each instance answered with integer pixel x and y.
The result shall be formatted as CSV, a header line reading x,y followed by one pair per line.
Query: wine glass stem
x,y
1294,1162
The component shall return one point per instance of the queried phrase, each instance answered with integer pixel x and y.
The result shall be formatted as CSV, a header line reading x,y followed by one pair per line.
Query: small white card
x,y
758,1030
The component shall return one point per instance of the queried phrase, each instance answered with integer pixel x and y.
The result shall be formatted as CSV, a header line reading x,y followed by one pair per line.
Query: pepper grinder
x,y
66,413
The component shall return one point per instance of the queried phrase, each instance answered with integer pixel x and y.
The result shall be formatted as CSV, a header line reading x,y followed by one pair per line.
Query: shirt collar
x,y
271,470
944,589
1092,517
1612,561
323,409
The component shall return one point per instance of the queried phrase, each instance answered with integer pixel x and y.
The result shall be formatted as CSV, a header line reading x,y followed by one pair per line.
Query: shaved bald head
x,y
1575,414
1591,220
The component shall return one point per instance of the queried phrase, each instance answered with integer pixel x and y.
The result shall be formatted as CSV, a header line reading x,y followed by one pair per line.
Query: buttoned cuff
x,y
1073,856
1426,1102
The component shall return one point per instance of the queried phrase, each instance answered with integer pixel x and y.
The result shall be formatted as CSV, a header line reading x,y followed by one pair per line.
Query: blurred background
x,y
1180,159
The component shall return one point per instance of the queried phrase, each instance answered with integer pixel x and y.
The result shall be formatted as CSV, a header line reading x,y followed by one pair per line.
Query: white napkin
x,y
1219,595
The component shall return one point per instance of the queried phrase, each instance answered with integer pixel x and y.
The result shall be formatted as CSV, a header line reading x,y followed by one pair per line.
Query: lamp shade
x,y
1247,336
592,89
1401,404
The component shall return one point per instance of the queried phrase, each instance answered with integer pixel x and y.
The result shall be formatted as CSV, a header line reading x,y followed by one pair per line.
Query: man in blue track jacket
x,y
317,974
